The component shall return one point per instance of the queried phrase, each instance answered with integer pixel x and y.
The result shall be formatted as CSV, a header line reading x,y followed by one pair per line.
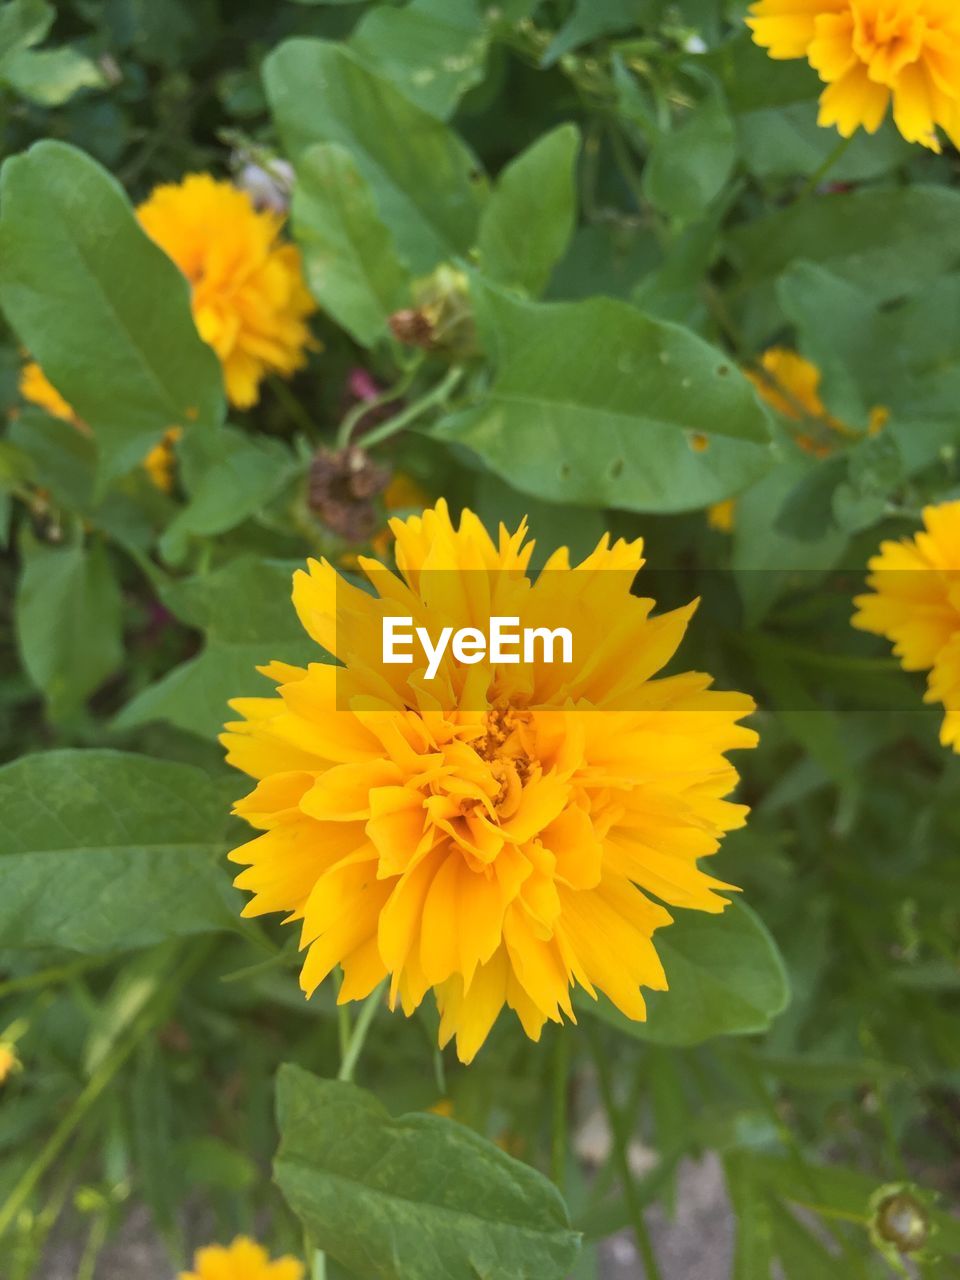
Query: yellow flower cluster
x,y
871,54
507,841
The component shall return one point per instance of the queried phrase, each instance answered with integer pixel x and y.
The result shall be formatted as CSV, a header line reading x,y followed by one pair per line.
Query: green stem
x,y
835,155
358,1036
436,395
50,977
90,1094
621,1154
360,410
561,1076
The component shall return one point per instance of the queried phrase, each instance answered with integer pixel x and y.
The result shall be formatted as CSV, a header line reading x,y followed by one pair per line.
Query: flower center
x,y
506,746
887,37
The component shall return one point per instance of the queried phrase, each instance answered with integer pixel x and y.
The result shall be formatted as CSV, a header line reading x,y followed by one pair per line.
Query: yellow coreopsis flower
x,y
914,601
871,53
249,298
242,1260
506,839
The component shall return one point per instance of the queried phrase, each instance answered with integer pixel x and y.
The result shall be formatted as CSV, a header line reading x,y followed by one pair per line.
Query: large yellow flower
x,y
505,838
250,302
242,1260
914,602
871,53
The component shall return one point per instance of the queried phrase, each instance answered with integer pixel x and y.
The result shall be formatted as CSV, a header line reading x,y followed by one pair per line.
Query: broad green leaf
x,y
889,242
242,473
726,978
689,166
68,618
50,77
594,403
526,227
103,851
23,23
245,613
70,247
769,561
350,256
413,1198
424,179
432,53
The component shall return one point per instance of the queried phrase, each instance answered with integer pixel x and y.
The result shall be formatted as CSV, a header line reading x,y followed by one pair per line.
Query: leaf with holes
x,y
595,403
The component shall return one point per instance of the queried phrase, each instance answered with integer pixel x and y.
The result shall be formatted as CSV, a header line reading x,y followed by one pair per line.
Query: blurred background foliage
x,y
602,211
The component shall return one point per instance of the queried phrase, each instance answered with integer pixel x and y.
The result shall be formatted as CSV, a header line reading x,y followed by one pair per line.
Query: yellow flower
x,y
790,384
9,1061
250,302
871,53
510,848
36,387
722,516
242,1260
915,603
160,463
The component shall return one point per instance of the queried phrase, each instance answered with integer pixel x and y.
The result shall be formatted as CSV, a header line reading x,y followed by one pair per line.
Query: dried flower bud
x,y
343,486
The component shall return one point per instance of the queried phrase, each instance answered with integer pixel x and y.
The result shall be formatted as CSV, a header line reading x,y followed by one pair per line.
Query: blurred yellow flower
x,y
250,301
36,387
159,464
790,384
914,602
9,1061
242,1260
722,516
871,53
508,846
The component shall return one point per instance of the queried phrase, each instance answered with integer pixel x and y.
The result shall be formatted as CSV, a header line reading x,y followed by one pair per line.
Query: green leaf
x,y
349,255
432,53
70,248
23,23
526,227
889,242
103,851
424,179
593,18
413,1198
51,77
68,619
726,978
689,166
242,473
245,613
753,1209
594,403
